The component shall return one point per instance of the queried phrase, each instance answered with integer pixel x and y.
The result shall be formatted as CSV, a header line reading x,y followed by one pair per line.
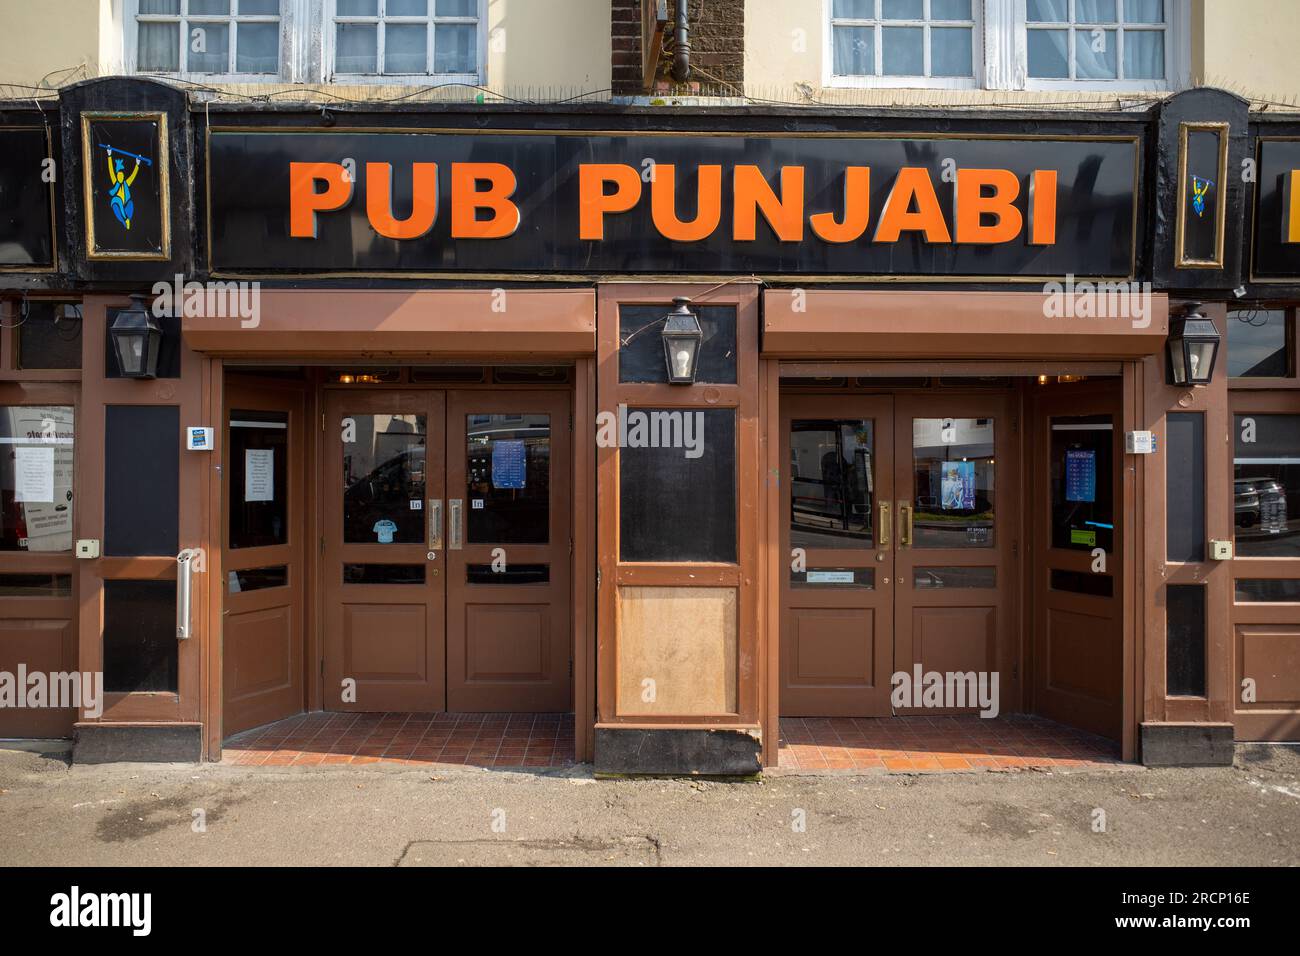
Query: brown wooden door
x,y
1078,627
837,607
955,568
509,542
263,560
382,563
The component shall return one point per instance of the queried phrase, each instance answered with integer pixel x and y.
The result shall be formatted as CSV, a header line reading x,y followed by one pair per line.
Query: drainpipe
x,y
682,44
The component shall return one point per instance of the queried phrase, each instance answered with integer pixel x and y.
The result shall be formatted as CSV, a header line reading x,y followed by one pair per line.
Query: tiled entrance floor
x,y
475,740
905,744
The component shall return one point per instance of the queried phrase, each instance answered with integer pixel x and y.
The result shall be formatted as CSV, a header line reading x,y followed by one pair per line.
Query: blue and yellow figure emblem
x,y
119,190
1199,188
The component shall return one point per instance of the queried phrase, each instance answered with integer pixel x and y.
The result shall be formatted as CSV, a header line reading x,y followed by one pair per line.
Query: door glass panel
x,y
832,483
259,462
952,461
1266,485
1081,475
257,579
508,478
36,585
834,578
930,579
383,478
383,574
36,478
511,574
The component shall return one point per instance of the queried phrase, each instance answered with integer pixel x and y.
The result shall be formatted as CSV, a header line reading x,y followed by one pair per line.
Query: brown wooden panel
x,y
948,626
261,668
263,652
504,647
1268,654
946,324
389,638
1077,642
47,646
832,663
345,323
953,638
1082,659
836,653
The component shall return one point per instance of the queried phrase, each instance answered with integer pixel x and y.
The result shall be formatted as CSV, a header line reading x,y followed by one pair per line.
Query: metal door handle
x,y
455,512
883,533
435,524
184,568
904,525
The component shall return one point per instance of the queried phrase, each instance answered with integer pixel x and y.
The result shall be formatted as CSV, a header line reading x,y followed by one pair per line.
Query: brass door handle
x,y
883,533
435,524
904,525
455,511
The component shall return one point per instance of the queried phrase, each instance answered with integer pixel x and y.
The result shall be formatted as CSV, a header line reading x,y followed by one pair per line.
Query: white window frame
x,y
1177,13
876,81
331,18
1001,53
131,18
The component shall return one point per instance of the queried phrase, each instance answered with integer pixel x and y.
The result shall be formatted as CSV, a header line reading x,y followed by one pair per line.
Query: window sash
x,y
878,24
232,21
381,19
1072,26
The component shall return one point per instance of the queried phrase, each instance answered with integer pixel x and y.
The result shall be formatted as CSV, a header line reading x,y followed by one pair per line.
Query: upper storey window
x,y
214,37
406,38
1125,45
919,39
1097,40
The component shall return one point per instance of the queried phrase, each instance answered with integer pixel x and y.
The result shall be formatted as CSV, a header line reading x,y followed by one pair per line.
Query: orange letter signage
x,y
424,200
594,202
467,199
305,201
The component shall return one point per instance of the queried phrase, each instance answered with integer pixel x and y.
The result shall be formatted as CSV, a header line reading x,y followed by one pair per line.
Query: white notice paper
x,y
259,474
34,474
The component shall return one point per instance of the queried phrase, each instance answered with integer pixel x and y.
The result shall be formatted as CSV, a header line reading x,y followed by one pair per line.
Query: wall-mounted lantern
x,y
682,336
137,340
1193,348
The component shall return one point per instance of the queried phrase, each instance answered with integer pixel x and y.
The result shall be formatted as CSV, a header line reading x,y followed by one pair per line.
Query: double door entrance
x,y
446,551
900,523
435,575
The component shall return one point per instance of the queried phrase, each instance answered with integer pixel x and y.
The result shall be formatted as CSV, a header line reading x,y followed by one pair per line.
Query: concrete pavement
x,y
131,814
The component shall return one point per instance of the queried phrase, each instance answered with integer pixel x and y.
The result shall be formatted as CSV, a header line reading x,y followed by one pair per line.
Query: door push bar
x,y
455,516
184,569
435,524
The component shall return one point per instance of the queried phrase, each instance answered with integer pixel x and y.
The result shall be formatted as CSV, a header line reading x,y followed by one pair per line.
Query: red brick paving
x,y
421,740
910,744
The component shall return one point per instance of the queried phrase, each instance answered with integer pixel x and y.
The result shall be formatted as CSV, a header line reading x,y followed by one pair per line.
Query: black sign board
x,y
936,207
27,175
125,165
1276,241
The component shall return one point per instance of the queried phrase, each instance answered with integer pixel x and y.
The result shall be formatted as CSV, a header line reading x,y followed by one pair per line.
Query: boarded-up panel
x,y
682,639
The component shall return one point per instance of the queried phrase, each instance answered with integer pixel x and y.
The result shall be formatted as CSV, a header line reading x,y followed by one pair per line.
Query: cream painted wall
x,y
1251,48
549,46
51,40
